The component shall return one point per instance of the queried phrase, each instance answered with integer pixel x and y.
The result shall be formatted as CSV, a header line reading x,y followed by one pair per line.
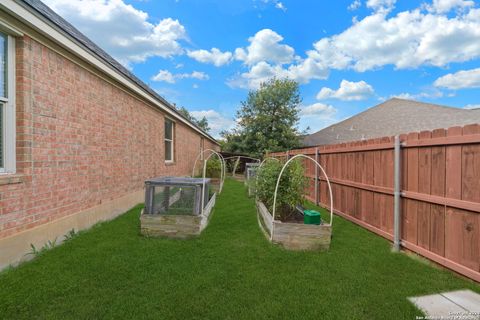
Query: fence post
x,y
316,178
396,196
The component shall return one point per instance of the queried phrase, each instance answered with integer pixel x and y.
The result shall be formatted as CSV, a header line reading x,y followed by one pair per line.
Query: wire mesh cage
x,y
251,170
176,195
250,175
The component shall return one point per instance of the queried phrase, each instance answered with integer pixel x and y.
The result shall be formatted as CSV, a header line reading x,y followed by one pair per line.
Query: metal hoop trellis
x,y
222,170
278,183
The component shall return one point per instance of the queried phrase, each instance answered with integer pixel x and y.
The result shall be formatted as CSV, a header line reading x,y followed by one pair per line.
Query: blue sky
x,y
347,55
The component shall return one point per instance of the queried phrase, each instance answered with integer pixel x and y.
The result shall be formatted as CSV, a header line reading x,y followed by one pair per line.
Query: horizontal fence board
x,y
443,261
358,185
459,204
367,226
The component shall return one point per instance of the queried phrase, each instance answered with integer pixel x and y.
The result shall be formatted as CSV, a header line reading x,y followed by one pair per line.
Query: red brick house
x,y
79,133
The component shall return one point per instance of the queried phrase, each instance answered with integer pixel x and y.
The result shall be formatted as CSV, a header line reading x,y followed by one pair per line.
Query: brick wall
x,y
81,141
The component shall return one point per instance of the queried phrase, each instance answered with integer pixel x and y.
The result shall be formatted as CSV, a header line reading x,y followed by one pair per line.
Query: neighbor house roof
x,y
392,117
66,28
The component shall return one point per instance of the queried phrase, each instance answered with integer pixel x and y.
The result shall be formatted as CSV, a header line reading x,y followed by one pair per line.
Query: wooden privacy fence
x,y
439,201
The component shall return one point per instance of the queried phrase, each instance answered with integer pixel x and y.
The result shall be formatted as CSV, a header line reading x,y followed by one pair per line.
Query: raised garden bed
x,y
176,207
176,225
294,236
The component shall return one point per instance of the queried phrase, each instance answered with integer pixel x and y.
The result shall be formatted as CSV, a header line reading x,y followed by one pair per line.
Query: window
x,y
202,147
169,136
7,104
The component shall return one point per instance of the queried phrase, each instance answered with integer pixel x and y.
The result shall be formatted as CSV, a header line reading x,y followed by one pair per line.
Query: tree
x,y
202,123
268,118
232,141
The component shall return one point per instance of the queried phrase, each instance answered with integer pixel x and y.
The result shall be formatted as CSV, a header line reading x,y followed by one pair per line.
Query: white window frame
x,y
8,105
172,141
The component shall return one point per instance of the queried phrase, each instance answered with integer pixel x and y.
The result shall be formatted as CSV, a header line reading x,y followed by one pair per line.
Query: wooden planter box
x,y
294,236
176,226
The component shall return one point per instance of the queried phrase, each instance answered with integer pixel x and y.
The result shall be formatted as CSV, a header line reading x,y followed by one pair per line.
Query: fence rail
x,y
439,198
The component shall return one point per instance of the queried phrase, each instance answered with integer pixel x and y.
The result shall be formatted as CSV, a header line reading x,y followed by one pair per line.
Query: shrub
x,y
290,191
229,165
214,168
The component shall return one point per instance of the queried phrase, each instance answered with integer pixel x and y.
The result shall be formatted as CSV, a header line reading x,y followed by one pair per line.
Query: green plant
x,y
202,123
267,120
70,235
34,251
229,164
290,191
109,270
47,246
214,168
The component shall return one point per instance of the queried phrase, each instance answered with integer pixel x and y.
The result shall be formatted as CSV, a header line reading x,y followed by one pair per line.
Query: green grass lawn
x,y
230,272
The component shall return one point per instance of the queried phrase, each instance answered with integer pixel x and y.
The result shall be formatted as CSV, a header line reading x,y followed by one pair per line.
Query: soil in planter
x,y
293,216
286,214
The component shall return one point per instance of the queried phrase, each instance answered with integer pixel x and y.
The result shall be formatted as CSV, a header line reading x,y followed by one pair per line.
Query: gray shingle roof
x,y
392,117
41,8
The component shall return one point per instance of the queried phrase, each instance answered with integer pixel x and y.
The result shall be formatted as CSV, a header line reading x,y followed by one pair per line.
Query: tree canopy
x,y
267,120
202,123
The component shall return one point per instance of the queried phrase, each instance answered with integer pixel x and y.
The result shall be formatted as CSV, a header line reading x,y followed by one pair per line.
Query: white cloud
x,y
383,5
403,95
122,30
460,80
472,106
306,70
317,116
281,6
278,4
354,5
302,72
214,56
164,75
317,110
167,76
195,75
259,73
407,40
265,46
431,93
444,6
216,121
348,91
266,58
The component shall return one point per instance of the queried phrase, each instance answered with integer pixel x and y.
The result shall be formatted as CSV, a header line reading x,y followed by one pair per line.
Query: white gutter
x,y
49,31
